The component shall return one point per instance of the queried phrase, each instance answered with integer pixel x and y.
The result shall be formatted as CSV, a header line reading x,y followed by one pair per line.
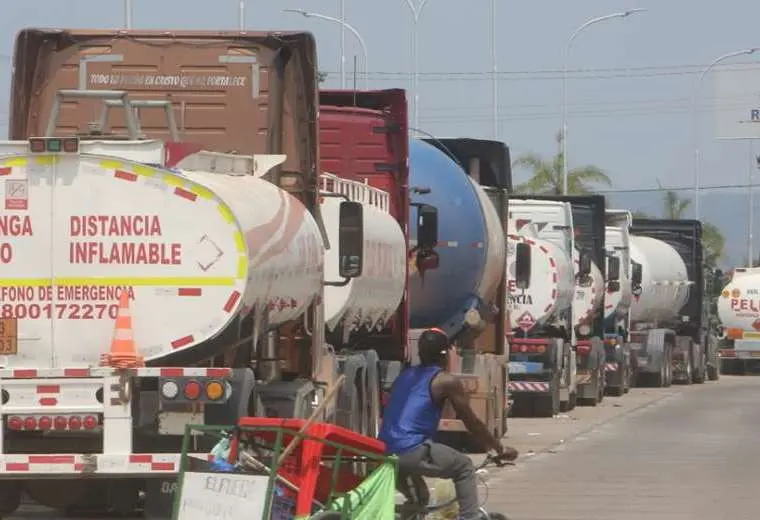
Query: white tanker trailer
x,y
200,254
541,289
739,313
620,372
666,314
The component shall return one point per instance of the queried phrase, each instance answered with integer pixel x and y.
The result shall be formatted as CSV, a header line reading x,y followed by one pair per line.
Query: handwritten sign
x,y
222,496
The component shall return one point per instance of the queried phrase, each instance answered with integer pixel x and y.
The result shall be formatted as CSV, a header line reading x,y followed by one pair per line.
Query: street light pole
x,y
127,14
416,12
342,20
563,149
494,72
346,25
694,133
241,15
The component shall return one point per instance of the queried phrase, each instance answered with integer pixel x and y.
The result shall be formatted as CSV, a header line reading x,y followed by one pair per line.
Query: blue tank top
x,y
411,416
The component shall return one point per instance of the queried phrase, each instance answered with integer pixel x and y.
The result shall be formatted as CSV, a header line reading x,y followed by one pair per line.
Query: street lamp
x,y
348,26
622,14
694,137
416,12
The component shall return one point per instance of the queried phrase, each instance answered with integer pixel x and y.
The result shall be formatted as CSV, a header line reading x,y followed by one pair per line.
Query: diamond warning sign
x,y
16,194
526,321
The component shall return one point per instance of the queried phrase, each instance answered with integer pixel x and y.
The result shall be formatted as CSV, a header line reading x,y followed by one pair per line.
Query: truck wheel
x,y
660,378
547,405
699,375
713,374
10,498
689,373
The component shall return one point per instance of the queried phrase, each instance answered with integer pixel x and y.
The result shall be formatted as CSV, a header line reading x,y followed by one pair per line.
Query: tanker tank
x,y
664,281
739,302
369,300
471,246
194,250
550,293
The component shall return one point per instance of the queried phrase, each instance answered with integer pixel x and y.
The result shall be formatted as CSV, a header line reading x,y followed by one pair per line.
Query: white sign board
x,y
736,101
222,496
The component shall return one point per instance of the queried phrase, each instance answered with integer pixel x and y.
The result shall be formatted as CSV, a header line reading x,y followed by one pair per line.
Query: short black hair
x,y
432,346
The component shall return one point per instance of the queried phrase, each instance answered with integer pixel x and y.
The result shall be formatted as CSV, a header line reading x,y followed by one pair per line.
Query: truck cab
x,y
619,364
541,282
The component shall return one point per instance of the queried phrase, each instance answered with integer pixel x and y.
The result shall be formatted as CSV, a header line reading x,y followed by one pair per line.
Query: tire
x,y
547,406
660,379
713,374
496,516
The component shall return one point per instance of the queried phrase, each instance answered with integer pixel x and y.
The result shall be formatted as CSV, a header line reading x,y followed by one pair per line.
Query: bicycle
x,y
416,491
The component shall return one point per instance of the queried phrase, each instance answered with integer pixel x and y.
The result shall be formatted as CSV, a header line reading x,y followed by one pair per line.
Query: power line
x,y
596,73
715,187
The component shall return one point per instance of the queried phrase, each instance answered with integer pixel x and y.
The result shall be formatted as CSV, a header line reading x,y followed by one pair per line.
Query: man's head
x,y
433,346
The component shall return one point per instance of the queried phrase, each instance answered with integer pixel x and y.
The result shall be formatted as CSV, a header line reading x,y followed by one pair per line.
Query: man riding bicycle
x,y
411,417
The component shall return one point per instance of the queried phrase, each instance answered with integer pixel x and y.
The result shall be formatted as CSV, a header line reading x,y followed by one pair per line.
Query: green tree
x,y
547,178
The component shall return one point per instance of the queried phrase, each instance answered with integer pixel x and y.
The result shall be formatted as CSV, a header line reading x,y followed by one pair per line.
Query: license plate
x,y
525,367
8,336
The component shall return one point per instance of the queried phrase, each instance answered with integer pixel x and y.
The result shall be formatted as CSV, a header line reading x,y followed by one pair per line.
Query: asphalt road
x,y
693,455
672,454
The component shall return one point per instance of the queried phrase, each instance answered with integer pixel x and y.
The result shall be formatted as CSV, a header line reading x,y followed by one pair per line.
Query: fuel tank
x,y
471,244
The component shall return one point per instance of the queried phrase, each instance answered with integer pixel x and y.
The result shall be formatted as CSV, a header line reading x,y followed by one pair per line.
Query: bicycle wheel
x,y
495,516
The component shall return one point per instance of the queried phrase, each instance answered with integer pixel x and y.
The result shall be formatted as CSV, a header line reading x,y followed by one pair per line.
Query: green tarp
x,y
373,499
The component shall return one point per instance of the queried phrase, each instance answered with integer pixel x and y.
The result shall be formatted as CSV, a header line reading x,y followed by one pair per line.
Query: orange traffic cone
x,y
123,353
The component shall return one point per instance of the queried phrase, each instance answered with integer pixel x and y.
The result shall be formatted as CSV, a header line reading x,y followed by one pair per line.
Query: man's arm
x,y
452,389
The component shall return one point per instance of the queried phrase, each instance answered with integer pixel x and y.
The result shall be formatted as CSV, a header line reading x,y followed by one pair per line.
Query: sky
x,y
630,85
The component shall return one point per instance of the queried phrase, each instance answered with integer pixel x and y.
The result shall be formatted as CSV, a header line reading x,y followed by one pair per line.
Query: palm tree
x,y
547,174
674,207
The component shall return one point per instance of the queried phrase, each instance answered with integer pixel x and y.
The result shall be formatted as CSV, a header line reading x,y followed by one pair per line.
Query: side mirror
x,y
584,264
636,274
427,226
522,265
351,239
613,268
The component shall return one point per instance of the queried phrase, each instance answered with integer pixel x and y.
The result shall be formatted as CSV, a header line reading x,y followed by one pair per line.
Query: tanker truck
x,y
619,365
739,313
273,317
541,289
667,332
461,286
588,301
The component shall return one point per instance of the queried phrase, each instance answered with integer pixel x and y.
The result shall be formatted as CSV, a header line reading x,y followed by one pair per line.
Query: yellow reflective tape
x,y
242,267
751,335
15,161
157,281
239,242
202,192
144,171
24,282
226,213
173,180
110,164
46,160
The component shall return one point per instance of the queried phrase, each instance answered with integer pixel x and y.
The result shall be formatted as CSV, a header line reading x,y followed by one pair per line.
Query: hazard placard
x,y
16,194
526,321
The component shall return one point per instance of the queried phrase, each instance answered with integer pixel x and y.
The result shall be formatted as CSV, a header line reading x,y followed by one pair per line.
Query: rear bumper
x,y
66,465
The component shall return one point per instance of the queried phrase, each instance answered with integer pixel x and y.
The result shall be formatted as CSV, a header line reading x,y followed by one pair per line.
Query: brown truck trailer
x,y
229,92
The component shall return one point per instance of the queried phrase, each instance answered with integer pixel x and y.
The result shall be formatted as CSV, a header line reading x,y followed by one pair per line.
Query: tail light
x,y
583,350
58,422
194,390
525,348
